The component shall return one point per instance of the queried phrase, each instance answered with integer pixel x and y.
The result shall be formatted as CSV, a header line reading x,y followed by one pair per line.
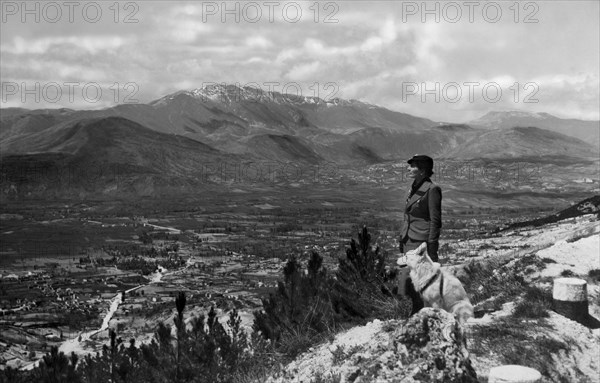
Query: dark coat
x,y
423,214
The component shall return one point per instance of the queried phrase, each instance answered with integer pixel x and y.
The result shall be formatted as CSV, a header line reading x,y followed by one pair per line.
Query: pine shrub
x,y
310,304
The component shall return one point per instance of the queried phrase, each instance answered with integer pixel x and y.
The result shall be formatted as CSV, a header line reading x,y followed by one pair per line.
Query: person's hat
x,y
421,161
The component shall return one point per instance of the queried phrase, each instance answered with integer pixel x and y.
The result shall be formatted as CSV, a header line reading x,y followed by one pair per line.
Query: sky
x,y
447,61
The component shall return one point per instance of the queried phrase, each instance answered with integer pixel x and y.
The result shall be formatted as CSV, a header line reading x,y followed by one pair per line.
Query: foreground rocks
x,y
429,347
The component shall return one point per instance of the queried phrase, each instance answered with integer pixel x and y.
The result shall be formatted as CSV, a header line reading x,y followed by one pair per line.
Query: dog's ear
x,y
419,251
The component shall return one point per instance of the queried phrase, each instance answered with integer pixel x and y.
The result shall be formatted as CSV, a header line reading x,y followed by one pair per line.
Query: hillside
x,y
520,329
519,142
588,131
104,138
104,154
388,351
587,206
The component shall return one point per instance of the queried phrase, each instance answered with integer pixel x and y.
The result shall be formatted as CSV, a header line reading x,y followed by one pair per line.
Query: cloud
x,y
258,42
257,60
369,52
568,94
90,44
304,72
187,31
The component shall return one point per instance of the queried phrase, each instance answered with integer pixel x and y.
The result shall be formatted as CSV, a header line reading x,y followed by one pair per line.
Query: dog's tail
x,y
462,310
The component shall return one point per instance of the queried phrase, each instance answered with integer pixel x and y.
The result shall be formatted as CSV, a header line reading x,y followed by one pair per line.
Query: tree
x,y
56,367
313,302
180,326
362,260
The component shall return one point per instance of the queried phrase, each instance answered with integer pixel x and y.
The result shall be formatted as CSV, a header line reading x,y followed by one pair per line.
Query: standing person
x,y
423,211
422,218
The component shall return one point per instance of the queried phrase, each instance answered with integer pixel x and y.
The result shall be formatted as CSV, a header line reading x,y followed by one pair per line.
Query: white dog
x,y
438,288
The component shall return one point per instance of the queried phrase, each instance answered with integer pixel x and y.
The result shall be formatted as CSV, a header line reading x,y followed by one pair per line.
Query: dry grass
x,y
518,343
525,337
535,303
492,281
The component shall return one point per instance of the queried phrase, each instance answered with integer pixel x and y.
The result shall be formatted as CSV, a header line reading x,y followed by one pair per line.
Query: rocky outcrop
x,y
429,347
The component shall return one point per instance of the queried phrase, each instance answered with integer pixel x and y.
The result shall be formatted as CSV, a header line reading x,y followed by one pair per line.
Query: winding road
x,y
77,343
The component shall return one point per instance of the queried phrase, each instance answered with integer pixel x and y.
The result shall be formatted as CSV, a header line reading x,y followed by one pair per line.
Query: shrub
x,y
594,274
362,276
300,304
204,353
492,280
567,273
56,367
307,306
534,304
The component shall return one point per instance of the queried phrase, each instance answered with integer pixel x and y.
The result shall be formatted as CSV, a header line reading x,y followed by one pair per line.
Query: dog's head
x,y
417,255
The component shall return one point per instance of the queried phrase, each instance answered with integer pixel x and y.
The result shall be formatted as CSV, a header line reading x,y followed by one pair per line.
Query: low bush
x,y
535,303
309,305
594,274
567,273
492,280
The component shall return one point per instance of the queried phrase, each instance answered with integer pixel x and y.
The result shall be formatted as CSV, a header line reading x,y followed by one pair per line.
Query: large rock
x,y
429,347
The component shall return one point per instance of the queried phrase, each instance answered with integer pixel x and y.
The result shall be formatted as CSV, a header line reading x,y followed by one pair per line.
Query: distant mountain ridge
x,y
517,142
179,132
588,131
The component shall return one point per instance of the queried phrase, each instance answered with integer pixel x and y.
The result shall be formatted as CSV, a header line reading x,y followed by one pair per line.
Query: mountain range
x,y
177,133
584,130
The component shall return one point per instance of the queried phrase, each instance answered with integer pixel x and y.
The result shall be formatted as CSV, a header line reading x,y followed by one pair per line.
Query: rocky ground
x,y
575,252
428,344
371,353
577,364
